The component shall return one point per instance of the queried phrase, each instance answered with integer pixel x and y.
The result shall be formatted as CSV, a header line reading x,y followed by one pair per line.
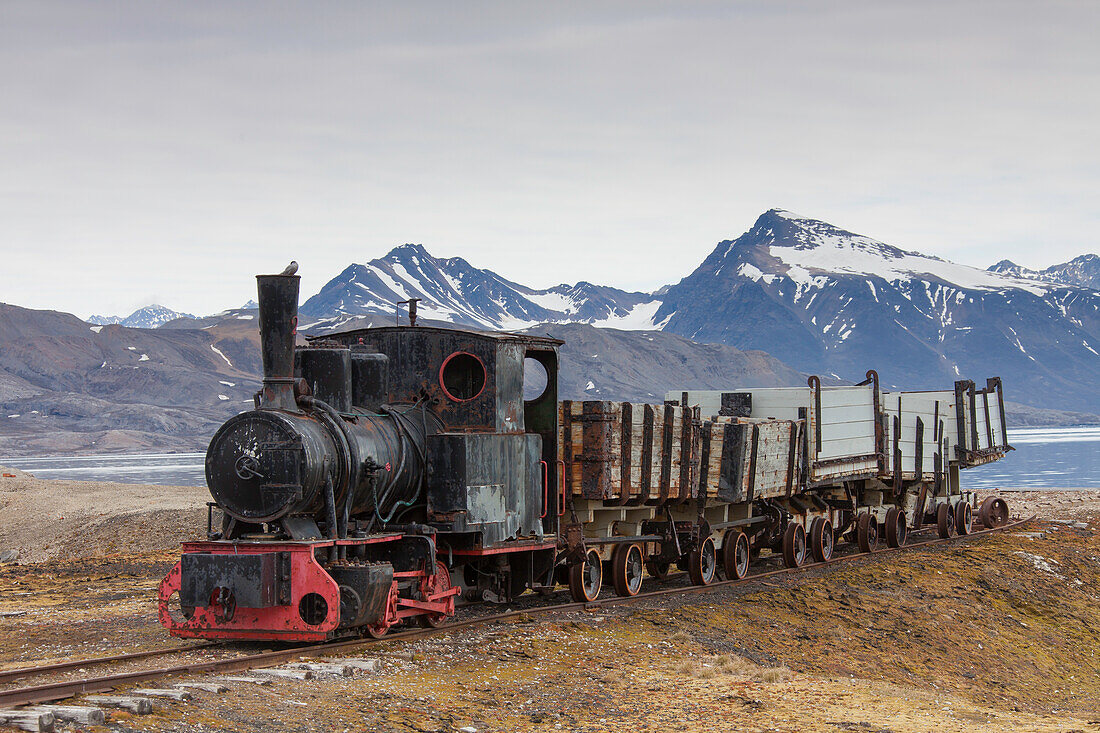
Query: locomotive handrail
x,y
545,488
561,489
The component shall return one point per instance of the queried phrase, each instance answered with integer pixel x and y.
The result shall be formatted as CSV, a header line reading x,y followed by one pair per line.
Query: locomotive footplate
x,y
279,591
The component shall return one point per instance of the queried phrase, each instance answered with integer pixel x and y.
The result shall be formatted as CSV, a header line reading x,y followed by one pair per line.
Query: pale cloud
x,y
177,150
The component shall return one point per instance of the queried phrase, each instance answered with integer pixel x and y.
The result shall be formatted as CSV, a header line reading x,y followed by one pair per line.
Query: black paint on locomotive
x,y
365,429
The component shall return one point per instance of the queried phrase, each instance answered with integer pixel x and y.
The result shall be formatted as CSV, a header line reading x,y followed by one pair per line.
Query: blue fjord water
x,y
1045,458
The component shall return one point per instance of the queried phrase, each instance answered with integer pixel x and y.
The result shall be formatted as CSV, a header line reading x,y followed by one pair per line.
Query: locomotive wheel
x,y
964,518
438,583
821,539
945,520
867,532
794,546
585,578
993,512
735,554
626,569
658,569
896,527
702,563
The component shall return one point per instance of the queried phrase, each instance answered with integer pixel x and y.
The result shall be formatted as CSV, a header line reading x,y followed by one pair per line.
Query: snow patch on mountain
x,y
822,247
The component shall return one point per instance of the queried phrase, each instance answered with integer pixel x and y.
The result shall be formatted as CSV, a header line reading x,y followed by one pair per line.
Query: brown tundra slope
x,y
993,633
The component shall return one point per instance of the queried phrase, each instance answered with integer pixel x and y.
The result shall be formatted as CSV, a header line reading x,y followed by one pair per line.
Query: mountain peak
x,y
453,290
151,316
1082,271
408,249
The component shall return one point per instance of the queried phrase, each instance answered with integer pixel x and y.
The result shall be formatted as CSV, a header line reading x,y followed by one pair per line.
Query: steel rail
x,y
14,674
61,690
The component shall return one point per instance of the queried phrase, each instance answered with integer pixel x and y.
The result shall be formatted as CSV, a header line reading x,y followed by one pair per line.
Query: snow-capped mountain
x,y
828,301
819,298
454,291
151,316
1083,271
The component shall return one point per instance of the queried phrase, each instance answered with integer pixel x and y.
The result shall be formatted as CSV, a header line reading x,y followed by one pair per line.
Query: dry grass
x,y
773,674
725,665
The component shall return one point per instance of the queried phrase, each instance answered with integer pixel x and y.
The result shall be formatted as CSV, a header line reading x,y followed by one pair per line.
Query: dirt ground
x,y
77,519
995,633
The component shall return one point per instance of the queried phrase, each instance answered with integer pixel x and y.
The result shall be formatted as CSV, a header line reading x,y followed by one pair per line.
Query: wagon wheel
x,y
867,532
964,517
794,545
585,578
993,512
821,539
945,520
626,569
438,583
658,569
702,563
735,554
896,527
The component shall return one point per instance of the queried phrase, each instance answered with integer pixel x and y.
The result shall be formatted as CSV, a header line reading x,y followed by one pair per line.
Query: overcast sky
x,y
169,151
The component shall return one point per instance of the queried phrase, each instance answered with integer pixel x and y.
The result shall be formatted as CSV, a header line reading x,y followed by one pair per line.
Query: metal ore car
x,y
386,471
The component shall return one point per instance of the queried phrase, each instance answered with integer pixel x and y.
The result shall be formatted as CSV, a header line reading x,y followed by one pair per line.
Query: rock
x,y
8,556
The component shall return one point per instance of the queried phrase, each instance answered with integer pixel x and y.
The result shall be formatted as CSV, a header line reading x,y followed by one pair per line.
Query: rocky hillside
x,y
640,366
65,385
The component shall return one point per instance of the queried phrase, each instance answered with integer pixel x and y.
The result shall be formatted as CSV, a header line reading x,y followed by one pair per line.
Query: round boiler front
x,y
262,465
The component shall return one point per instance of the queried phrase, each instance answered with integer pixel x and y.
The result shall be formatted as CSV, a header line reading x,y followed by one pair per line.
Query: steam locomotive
x,y
386,471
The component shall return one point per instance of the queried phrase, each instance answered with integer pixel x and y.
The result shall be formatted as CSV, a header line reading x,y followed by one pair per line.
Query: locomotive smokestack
x,y
278,304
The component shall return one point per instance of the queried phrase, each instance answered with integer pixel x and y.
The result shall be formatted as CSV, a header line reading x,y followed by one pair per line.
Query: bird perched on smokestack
x,y
291,268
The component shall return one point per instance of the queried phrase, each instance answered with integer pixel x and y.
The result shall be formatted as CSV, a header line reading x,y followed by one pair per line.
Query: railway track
x,y
53,691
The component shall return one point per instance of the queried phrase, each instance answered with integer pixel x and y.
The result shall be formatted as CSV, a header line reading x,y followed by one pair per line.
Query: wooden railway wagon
x,y
710,478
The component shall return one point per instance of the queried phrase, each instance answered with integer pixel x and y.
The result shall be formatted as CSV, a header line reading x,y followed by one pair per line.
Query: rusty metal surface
x,y
596,455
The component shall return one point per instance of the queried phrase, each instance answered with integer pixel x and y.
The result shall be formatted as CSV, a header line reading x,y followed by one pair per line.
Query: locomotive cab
x,y
491,482
488,464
